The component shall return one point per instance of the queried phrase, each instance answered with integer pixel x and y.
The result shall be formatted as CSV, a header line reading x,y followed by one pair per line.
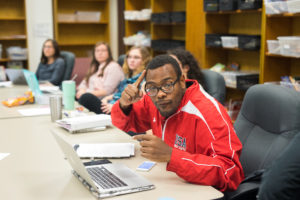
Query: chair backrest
x,y
215,85
81,67
269,118
69,58
121,59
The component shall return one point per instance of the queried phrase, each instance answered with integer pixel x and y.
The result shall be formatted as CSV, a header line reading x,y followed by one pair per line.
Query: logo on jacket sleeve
x,y
180,142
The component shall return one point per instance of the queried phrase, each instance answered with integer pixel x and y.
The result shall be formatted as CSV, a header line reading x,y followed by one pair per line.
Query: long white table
x,y
36,168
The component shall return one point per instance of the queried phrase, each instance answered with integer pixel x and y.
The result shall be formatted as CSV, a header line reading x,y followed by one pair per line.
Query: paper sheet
x,y
35,111
105,150
6,84
3,155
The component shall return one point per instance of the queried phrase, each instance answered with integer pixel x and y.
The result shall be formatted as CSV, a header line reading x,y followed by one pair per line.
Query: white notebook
x,y
105,150
75,124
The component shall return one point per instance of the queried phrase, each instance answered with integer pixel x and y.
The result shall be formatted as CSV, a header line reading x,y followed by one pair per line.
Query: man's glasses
x,y
167,87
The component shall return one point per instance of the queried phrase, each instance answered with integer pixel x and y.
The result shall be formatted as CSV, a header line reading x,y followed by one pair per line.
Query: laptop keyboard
x,y
105,178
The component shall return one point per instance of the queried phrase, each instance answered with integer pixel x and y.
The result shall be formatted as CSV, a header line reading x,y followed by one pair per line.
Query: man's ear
x,y
182,81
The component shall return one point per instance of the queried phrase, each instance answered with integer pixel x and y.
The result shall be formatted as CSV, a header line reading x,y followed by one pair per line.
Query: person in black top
x,y
188,63
52,67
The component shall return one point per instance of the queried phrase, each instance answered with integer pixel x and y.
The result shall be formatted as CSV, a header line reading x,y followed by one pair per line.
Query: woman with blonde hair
x,y
102,78
136,60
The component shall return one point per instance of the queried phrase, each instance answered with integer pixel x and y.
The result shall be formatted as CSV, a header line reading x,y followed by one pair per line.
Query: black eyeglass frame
x,y
161,88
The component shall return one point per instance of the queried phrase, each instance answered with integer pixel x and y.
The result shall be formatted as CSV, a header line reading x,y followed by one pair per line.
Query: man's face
x,y
166,103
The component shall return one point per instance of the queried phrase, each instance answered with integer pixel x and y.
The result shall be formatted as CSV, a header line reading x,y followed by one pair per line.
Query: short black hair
x,y
162,60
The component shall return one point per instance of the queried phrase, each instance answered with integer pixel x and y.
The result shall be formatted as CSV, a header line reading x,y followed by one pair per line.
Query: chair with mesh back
x,y
268,120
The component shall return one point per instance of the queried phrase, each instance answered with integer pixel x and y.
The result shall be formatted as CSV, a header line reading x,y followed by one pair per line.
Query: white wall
x,y
39,15
39,28
113,5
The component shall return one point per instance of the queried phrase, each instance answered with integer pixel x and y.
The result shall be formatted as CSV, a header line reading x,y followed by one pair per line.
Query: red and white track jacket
x,y
206,149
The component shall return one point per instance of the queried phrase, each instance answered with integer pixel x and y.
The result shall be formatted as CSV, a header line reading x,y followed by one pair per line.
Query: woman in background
x,y
102,78
188,63
52,67
136,60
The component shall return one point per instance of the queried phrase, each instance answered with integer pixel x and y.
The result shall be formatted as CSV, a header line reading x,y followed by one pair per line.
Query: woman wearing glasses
x,y
52,67
136,60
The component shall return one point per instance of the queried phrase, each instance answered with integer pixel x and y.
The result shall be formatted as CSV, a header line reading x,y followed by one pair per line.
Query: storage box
x,y
213,40
177,17
88,16
229,41
249,42
165,17
211,5
276,7
289,46
155,17
166,44
273,46
249,4
17,53
227,5
63,17
293,6
240,80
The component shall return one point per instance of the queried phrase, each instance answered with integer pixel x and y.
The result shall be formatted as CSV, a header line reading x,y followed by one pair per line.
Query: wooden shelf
x,y
169,24
138,20
234,12
12,38
174,31
12,19
77,44
8,60
80,36
232,49
284,15
67,22
281,56
13,30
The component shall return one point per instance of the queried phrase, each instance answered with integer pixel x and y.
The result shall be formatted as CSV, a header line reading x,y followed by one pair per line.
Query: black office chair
x,y
121,59
215,85
268,120
69,58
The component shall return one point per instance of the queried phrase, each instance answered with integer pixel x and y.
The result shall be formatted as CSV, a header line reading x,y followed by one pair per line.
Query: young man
x,y
191,130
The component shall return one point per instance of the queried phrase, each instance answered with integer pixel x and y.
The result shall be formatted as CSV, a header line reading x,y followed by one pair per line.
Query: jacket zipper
x,y
165,124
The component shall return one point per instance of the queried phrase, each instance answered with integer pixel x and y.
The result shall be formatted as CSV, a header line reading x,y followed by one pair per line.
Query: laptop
x,y
42,97
16,76
105,180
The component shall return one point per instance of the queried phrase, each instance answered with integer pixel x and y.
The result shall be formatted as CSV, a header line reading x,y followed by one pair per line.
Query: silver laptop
x,y
104,180
16,76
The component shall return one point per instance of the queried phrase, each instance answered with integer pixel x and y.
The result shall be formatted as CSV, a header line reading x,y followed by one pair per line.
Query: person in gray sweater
x,y
52,66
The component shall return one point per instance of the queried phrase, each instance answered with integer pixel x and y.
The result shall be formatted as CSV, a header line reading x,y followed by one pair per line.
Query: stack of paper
x,y
105,150
76,124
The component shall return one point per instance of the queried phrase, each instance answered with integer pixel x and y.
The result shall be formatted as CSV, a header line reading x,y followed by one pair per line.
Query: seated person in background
x,y
52,67
102,78
192,132
188,63
136,60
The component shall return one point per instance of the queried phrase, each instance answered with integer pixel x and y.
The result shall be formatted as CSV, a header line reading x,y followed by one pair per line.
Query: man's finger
x,y
140,79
